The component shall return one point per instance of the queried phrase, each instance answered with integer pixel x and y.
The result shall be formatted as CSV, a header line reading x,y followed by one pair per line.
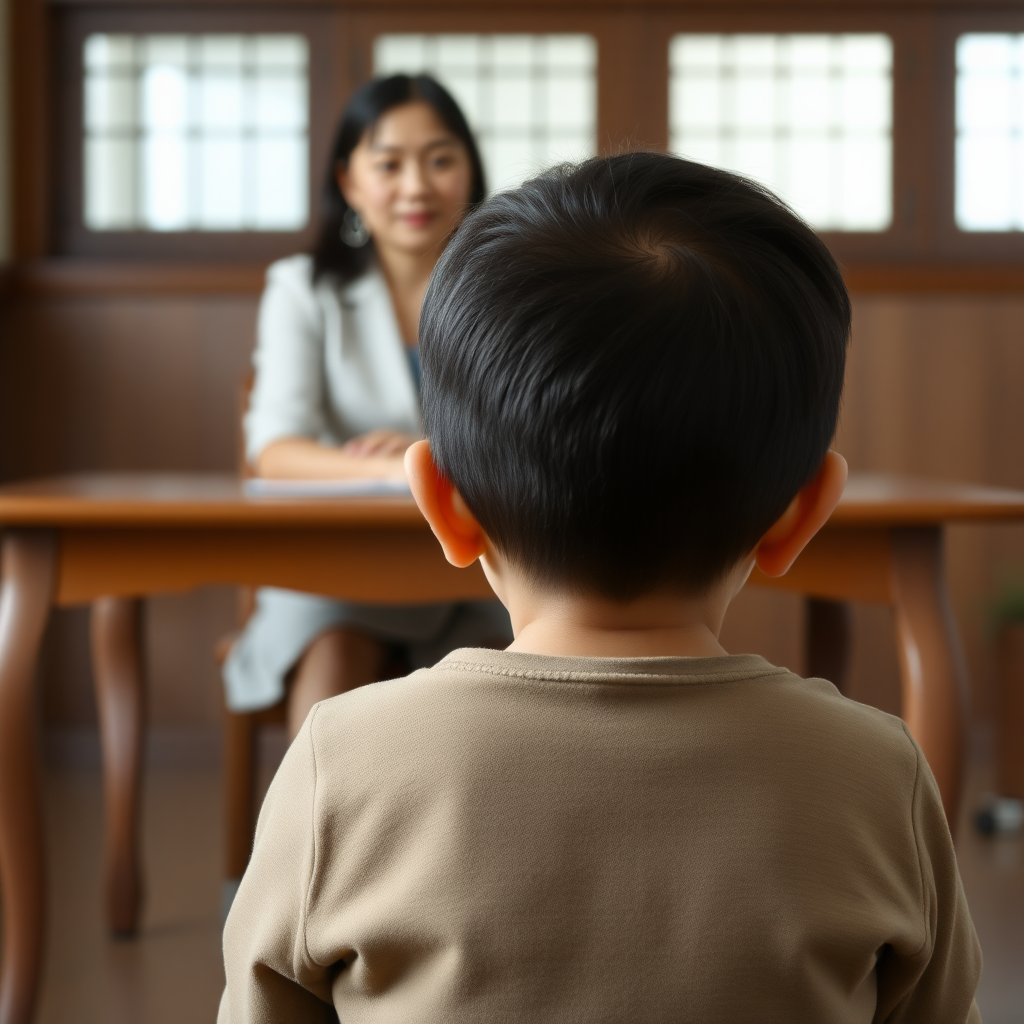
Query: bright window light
x,y
990,132
810,116
196,132
531,100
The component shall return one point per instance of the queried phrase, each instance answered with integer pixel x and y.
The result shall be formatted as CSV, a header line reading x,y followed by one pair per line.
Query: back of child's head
x,y
630,367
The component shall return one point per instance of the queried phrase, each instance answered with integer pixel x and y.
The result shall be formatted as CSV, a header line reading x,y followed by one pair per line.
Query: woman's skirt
x,y
285,623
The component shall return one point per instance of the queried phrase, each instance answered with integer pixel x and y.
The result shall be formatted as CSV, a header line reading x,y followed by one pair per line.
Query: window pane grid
x,y
531,100
990,132
810,115
196,132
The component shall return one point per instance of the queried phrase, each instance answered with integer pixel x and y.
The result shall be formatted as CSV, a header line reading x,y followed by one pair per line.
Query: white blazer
x,y
330,363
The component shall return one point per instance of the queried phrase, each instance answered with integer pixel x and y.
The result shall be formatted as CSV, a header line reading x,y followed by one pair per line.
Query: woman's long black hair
x,y
330,254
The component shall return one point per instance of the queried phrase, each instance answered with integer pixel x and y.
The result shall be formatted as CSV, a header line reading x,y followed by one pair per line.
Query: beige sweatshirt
x,y
518,838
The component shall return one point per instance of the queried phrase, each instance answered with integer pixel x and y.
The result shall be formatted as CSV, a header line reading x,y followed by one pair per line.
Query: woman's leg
x,y
336,661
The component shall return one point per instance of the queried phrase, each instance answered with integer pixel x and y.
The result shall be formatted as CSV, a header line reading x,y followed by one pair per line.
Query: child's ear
x,y
807,514
461,537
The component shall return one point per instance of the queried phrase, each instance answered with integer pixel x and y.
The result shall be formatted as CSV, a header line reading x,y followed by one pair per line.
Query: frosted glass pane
x,y
193,117
512,103
281,53
755,157
165,182
866,103
170,50
810,174
864,185
755,53
459,54
704,149
280,184
102,52
512,52
221,53
513,161
109,103
990,132
531,100
573,53
221,201
987,53
221,102
809,115
280,103
810,53
870,53
568,101
165,98
465,87
809,101
110,184
394,54
695,53
755,101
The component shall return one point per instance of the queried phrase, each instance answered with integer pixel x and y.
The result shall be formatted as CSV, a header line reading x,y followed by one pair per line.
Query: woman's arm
x,y
377,455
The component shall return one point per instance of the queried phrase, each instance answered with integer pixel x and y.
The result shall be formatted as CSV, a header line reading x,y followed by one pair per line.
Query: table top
x,y
217,500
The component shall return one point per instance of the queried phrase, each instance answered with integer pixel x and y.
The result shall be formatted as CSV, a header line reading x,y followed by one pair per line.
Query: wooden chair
x,y
241,729
241,732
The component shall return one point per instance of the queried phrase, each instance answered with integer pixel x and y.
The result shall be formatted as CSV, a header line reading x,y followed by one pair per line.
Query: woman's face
x,y
409,179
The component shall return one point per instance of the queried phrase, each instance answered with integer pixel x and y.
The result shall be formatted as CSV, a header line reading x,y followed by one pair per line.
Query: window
x,y
531,100
195,132
810,115
990,132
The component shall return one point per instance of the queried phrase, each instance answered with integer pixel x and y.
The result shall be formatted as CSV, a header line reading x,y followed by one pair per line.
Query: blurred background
x,y
156,155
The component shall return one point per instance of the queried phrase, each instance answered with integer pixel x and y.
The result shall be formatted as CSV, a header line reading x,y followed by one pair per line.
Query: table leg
x,y
828,640
120,697
931,666
28,560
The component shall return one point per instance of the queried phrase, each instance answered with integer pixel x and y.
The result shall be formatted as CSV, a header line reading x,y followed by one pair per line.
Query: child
x,y
631,376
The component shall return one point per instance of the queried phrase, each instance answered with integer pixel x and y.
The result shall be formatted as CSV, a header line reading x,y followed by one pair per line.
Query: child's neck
x,y
656,624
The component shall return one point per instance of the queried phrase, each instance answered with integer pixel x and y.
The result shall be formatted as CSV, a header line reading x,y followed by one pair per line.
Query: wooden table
x,y
110,540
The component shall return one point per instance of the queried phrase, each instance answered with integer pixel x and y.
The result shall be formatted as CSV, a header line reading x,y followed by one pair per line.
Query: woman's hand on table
x,y
378,443
377,455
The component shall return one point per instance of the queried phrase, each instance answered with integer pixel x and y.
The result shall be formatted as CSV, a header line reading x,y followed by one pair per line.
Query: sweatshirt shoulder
x,y
846,729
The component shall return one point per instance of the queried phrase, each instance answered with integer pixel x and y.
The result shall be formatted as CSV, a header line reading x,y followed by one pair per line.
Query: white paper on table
x,y
262,487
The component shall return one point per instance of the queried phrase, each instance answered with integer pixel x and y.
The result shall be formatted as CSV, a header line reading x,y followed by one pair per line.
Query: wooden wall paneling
x,y
136,382
632,82
122,383
933,389
914,192
31,127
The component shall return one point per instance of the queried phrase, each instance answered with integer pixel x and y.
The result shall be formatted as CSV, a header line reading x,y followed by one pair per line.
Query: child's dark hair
x,y
630,367
369,103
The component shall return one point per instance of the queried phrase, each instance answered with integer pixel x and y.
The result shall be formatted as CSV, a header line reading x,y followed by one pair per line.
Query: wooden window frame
x,y
72,238
922,250
950,242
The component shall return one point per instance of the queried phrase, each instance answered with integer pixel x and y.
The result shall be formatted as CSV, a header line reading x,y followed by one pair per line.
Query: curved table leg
x,y
28,575
120,697
934,692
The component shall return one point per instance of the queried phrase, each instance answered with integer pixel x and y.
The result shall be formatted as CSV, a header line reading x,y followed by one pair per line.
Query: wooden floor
x,y
172,973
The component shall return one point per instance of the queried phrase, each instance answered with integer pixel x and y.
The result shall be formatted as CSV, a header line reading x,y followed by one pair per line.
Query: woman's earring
x,y
354,232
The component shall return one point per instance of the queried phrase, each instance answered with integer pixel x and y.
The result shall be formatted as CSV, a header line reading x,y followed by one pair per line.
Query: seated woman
x,y
336,393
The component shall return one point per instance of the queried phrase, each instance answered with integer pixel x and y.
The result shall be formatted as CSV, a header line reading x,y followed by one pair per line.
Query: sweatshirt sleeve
x,y
288,394
270,976
937,983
